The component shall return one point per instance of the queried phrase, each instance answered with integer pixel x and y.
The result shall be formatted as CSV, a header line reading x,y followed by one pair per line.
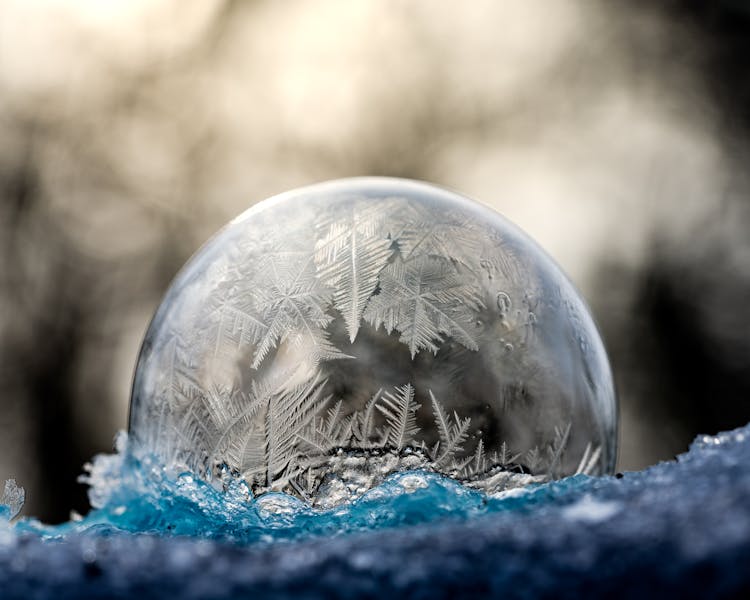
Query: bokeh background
x,y
616,133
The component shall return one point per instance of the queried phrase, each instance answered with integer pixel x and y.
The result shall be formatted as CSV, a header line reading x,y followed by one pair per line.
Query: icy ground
x,y
677,529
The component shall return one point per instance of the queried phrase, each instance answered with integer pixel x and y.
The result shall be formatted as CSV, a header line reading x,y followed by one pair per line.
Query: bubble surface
x,y
336,334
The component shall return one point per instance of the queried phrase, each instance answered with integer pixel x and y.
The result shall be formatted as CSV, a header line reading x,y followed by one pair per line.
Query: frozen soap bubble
x,y
335,334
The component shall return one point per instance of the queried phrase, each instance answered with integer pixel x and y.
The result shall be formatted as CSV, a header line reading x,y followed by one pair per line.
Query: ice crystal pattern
x,y
350,255
425,300
357,328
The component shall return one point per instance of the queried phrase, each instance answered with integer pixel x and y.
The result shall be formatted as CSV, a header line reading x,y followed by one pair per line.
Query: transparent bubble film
x,y
339,333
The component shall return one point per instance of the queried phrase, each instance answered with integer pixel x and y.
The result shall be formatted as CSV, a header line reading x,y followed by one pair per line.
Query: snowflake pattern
x,y
425,300
383,264
350,255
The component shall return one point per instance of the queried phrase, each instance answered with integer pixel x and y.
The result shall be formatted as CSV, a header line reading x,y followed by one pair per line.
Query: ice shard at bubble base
x,y
340,332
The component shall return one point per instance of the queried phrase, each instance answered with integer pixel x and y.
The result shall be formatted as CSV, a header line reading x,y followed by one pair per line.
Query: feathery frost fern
x,y
385,262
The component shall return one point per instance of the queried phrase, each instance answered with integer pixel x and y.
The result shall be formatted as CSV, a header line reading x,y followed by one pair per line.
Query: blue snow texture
x,y
678,529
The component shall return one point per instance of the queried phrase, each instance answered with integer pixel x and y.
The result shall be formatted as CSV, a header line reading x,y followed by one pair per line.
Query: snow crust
x,y
678,528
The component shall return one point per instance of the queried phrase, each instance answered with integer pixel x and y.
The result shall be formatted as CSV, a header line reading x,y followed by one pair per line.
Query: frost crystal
x,y
425,299
345,331
13,497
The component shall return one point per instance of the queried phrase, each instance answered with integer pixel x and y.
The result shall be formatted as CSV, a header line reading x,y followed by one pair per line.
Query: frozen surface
x,y
678,529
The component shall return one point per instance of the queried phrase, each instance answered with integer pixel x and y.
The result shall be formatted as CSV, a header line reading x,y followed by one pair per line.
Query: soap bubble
x,y
335,334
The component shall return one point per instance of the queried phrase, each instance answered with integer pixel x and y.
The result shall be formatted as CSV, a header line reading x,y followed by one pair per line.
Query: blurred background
x,y
616,133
